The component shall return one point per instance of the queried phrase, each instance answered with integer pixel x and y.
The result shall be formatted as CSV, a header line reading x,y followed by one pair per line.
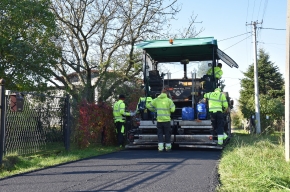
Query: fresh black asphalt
x,y
126,170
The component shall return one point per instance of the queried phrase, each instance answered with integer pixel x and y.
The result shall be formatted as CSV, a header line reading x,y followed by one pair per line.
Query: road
x,y
127,170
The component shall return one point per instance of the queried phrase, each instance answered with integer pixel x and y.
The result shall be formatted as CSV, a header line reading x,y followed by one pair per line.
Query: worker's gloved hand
x,y
226,110
132,113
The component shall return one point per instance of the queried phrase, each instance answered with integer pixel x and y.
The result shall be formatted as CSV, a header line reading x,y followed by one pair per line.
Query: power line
x,y
227,86
265,7
234,36
264,11
253,9
259,9
247,11
231,78
247,55
271,43
271,28
238,42
259,31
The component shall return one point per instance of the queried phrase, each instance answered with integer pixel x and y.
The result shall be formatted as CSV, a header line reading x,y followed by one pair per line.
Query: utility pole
x,y
256,82
287,88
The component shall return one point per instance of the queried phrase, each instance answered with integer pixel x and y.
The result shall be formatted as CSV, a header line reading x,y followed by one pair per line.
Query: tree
x,y
271,85
100,35
270,79
236,117
27,49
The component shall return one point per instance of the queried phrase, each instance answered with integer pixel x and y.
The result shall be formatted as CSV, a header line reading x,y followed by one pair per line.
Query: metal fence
x,y
32,121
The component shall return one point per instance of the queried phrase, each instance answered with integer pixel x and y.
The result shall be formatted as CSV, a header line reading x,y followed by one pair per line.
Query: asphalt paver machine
x,y
190,123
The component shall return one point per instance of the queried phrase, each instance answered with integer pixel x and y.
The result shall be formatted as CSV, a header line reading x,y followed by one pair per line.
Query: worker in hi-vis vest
x,y
217,71
120,119
164,106
218,104
141,106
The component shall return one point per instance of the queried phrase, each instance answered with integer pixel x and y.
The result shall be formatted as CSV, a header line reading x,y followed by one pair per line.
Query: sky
x,y
229,21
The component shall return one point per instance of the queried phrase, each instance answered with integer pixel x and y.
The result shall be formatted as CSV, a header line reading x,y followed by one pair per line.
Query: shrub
x,y
95,121
95,124
237,119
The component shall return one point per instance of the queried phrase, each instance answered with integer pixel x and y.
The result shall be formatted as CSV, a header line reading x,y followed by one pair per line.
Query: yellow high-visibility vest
x,y
163,106
143,99
217,72
216,101
119,111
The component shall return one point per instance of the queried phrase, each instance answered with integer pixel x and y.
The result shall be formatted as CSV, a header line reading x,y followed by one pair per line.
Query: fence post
x,y
2,118
67,123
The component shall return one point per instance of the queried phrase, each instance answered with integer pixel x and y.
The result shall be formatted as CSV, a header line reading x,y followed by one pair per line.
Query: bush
x,y
236,119
95,121
95,124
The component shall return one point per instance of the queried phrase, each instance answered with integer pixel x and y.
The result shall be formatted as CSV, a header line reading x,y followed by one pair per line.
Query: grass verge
x,y
14,164
254,163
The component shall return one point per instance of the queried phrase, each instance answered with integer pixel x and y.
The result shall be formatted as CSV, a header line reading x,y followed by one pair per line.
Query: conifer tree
x,y
271,89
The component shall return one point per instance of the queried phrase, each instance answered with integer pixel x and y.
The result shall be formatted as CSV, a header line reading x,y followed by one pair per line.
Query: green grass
x,y
53,155
254,163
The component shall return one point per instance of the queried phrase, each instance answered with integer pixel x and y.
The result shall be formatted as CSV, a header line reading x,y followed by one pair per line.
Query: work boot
x,y
160,147
225,136
168,147
220,139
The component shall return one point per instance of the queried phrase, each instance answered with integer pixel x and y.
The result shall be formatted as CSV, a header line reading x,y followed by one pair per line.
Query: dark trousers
x,y
120,135
164,128
217,121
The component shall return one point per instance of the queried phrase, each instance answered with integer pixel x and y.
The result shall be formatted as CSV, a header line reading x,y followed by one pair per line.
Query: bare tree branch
x,y
99,35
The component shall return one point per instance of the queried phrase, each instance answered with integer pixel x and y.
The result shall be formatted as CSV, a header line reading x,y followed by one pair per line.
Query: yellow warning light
x,y
171,41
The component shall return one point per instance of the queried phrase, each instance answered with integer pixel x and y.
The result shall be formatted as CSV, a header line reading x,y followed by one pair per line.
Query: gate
x,y
41,121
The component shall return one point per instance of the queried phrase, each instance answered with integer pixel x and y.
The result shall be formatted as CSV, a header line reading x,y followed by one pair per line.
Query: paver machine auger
x,y
190,123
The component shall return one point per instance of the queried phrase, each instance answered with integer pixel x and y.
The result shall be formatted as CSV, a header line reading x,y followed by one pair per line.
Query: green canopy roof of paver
x,y
193,49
